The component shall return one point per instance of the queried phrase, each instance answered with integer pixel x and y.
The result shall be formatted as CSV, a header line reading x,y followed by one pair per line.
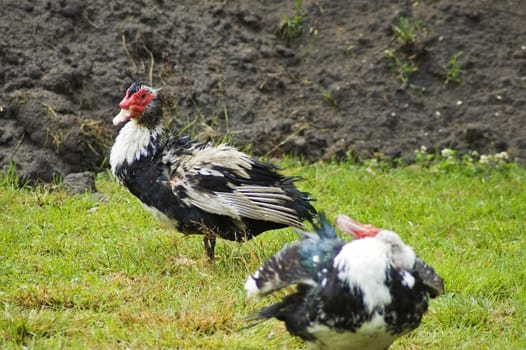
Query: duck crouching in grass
x,y
358,295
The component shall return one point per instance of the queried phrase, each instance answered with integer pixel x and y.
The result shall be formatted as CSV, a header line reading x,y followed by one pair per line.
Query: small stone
x,y
78,183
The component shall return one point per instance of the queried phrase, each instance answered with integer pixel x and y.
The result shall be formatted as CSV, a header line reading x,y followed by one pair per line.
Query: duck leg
x,y
210,245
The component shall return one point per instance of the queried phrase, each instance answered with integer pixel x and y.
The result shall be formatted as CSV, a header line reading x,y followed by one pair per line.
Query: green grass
x,y
84,273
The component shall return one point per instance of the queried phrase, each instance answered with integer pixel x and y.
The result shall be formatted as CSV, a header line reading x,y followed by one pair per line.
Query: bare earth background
x,y
328,94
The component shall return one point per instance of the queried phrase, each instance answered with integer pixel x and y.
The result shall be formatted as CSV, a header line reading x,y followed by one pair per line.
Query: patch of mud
x,y
329,93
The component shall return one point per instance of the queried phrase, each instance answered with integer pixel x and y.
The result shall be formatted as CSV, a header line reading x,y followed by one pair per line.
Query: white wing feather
x,y
249,201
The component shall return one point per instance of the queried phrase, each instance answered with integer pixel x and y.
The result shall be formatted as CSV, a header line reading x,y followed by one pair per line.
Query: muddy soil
x,y
343,85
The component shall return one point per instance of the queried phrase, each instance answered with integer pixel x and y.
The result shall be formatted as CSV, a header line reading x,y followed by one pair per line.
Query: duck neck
x,y
135,141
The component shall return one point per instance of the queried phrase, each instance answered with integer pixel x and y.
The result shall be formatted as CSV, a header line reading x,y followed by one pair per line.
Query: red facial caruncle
x,y
137,101
133,105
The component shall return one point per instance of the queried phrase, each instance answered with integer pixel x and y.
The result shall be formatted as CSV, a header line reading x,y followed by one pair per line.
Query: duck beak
x,y
354,228
123,116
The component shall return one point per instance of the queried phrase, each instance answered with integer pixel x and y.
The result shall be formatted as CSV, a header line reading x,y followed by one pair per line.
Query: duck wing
x,y
304,263
224,181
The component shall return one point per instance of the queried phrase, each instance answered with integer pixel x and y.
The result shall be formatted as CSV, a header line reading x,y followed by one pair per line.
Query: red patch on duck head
x,y
136,102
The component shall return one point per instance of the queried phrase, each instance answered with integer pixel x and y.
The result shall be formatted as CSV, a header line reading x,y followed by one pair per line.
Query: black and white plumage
x,y
358,295
199,188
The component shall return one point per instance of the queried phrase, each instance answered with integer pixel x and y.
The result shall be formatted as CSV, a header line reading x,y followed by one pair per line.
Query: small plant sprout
x,y
403,69
349,49
405,31
453,69
291,28
328,97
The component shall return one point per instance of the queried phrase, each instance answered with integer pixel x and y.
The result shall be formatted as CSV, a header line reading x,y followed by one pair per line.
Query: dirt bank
x,y
330,92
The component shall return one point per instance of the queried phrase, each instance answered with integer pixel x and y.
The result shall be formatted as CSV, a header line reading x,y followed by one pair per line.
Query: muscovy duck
x,y
358,295
199,188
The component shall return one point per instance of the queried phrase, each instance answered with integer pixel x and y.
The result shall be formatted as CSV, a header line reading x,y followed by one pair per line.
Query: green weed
x,y
401,67
470,163
214,129
349,49
406,30
10,178
328,97
291,28
454,70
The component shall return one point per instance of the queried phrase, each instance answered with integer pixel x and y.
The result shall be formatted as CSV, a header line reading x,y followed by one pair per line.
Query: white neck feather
x,y
363,263
132,143
400,254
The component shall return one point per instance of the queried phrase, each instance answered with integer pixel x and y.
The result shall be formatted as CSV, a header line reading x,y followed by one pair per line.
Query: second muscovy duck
x,y
358,295
199,188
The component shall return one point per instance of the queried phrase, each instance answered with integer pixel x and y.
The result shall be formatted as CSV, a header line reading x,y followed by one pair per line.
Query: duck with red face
x,y
357,295
199,188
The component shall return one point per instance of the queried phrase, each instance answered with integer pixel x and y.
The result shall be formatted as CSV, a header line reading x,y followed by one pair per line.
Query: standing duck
x,y
197,188
358,295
